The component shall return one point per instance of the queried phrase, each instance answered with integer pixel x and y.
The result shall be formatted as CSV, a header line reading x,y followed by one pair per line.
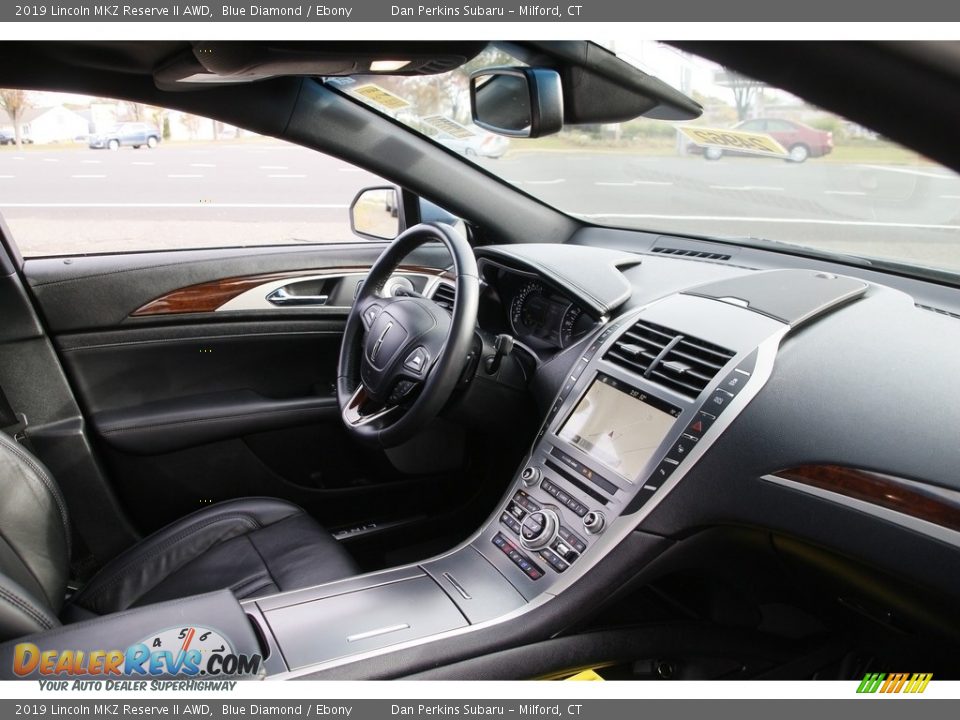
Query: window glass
x,y
97,175
828,183
780,126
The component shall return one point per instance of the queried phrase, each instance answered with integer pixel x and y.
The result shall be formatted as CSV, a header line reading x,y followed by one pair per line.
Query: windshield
x,y
759,164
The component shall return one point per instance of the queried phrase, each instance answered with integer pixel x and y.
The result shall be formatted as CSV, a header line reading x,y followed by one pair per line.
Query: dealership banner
x,y
218,709
736,11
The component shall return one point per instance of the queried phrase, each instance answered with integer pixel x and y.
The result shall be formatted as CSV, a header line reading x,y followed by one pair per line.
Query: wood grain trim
x,y
925,502
208,296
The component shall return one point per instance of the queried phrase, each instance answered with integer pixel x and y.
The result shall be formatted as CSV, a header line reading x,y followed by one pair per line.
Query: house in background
x,y
54,124
74,123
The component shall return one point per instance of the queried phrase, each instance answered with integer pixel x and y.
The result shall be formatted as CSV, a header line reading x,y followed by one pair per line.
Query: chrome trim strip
x,y
256,297
457,586
379,631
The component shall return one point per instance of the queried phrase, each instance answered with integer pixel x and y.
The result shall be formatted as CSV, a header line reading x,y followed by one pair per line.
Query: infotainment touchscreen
x,y
618,425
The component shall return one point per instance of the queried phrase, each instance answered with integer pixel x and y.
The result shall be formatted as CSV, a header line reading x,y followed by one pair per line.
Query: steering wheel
x,y
402,356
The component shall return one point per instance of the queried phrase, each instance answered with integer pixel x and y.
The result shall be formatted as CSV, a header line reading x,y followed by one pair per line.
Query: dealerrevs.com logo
x,y
186,652
912,683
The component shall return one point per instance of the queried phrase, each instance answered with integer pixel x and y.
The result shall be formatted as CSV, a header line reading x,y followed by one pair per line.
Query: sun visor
x,y
224,63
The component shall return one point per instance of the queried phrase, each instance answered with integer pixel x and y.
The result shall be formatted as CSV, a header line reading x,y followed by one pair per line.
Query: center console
x,y
642,402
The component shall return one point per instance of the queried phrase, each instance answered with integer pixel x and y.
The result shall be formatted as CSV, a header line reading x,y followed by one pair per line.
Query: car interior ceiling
x,y
735,576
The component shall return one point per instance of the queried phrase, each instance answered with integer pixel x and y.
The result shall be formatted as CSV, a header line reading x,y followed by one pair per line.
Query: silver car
x,y
481,144
134,134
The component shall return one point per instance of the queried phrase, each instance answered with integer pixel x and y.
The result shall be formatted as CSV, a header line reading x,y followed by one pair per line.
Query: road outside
x,y
75,200
910,212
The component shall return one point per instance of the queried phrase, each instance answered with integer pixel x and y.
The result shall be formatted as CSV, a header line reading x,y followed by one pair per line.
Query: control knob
x,y
593,522
538,529
531,475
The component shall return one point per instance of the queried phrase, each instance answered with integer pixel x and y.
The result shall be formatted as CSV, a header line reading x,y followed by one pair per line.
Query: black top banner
x,y
399,10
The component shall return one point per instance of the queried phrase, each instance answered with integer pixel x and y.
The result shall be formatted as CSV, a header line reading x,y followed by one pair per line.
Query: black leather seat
x,y
253,546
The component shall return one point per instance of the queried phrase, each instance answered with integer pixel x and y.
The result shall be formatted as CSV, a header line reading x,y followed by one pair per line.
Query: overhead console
x,y
642,404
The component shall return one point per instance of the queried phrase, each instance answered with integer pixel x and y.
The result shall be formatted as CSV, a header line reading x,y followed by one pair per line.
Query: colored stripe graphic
x,y
914,683
870,682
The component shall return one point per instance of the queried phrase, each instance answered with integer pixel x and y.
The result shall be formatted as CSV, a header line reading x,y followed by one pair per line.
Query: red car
x,y
801,141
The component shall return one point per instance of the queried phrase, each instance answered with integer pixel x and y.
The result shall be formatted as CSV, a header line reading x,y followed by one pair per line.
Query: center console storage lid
x,y
335,626
218,612
476,586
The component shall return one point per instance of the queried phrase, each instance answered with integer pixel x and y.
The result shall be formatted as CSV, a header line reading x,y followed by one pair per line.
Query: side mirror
x,y
376,213
517,101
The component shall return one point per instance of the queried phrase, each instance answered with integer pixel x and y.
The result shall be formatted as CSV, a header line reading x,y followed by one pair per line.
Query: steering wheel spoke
x,y
404,390
361,410
369,308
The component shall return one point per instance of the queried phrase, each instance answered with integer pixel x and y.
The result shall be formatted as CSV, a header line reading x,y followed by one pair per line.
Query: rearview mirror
x,y
376,213
517,101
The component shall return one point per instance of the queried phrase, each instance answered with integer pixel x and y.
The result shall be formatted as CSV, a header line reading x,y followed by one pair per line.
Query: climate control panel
x,y
533,532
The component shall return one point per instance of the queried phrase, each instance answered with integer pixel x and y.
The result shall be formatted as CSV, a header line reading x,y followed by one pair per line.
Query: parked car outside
x,y
7,138
481,144
800,141
134,134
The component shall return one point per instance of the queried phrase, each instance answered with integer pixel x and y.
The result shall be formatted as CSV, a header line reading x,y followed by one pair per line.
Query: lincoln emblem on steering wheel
x,y
376,348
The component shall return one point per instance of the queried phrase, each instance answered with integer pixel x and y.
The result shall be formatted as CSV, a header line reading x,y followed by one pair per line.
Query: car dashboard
x,y
535,312
681,387
709,394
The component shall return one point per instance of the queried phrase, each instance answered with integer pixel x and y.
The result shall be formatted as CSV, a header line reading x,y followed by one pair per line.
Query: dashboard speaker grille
x,y
682,252
680,362
444,295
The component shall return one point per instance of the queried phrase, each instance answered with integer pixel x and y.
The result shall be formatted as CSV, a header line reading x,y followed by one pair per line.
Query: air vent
x,y
444,295
680,362
680,252
690,365
639,346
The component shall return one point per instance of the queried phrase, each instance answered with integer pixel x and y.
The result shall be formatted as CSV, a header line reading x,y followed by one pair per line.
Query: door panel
x,y
121,370
194,397
176,390
101,292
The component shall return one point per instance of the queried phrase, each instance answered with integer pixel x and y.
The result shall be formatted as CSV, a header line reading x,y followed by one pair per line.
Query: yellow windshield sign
x,y
448,126
754,143
383,98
